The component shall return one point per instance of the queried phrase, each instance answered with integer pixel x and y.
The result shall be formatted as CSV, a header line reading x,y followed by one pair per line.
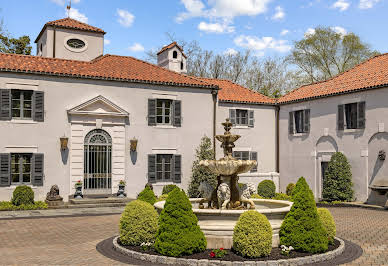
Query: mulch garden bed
x,y
232,256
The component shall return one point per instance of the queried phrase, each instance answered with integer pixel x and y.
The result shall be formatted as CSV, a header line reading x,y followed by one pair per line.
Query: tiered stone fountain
x,y
226,202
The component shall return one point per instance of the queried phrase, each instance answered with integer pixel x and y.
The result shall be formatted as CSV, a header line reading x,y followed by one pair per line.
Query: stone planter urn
x,y
120,192
78,191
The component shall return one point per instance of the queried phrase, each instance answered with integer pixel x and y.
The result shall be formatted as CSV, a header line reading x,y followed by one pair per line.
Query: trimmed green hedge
x,y
328,222
266,189
23,195
138,223
256,196
179,233
8,206
290,188
302,228
168,188
147,195
281,196
252,235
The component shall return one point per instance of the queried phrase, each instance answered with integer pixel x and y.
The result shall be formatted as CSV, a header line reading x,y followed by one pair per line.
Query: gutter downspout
x,y
54,38
215,96
277,109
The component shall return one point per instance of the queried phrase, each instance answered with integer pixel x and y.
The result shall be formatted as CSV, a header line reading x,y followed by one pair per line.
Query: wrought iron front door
x,y
98,163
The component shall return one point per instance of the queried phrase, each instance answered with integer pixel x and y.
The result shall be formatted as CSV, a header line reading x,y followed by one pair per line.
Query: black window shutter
x,y
5,104
152,112
291,123
177,168
340,118
5,169
253,155
177,113
38,106
361,115
232,116
306,121
251,115
37,169
151,167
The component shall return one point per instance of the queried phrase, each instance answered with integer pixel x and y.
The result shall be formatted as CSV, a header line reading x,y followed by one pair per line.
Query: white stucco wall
x,y
62,94
260,138
301,155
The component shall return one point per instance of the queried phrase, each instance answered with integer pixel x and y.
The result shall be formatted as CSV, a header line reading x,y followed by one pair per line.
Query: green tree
x,y
338,184
11,45
325,53
302,228
179,232
199,173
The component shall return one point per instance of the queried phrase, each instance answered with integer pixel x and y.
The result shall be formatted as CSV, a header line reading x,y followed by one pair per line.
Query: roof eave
x,y
63,27
246,102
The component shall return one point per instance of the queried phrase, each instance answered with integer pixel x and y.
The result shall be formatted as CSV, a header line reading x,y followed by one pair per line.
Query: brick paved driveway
x,y
72,240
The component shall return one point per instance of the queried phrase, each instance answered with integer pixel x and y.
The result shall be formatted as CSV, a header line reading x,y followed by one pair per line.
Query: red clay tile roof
x,y
69,23
232,92
171,45
372,73
108,67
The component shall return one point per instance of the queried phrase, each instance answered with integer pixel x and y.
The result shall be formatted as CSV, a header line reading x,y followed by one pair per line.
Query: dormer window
x,y
75,43
175,54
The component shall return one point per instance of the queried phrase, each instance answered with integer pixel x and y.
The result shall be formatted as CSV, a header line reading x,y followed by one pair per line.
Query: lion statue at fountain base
x,y
246,193
209,195
223,196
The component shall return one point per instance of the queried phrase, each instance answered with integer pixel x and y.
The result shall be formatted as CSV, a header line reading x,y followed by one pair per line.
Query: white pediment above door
x,y
99,106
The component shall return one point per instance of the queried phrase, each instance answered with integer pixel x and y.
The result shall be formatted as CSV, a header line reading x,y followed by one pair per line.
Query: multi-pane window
x,y
163,111
21,168
351,115
21,104
299,118
241,155
163,167
299,121
241,117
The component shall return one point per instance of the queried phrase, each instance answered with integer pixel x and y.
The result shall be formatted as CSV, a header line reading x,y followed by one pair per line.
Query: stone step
x,y
89,205
98,201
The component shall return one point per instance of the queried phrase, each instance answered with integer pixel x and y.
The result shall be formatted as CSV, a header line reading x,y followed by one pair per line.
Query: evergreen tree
x,y
337,184
199,173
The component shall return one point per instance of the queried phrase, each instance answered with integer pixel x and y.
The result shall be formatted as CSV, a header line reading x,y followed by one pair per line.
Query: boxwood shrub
x,y
147,195
168,188
138,223
290,188
22,195
302,228
266,189
8,206
281,196
252,235
179,233
328,222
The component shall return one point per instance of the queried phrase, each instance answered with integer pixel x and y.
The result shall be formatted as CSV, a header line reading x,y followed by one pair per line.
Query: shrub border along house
x,y
22,199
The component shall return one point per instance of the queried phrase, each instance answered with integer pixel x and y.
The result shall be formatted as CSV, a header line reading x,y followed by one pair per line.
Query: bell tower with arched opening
x,y
172,57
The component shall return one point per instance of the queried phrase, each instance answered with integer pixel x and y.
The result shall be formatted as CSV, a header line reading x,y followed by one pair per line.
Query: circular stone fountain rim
x,y
160,205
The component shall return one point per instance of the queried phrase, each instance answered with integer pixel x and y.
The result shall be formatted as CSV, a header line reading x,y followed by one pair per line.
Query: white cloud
x,y
366,4
106,41
63,2
261,44
230,51
194,9
309,31
215,27
279,13
75,14
125,17
136,47
339,30
342,5
284,32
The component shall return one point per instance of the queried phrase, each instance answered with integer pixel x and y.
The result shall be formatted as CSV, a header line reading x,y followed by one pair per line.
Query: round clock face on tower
x,y
75,43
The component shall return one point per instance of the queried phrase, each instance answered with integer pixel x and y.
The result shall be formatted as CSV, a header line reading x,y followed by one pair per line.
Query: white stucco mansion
x,y
72,113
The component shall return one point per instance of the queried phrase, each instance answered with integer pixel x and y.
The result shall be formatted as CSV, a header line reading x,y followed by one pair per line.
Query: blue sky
x,y
267,27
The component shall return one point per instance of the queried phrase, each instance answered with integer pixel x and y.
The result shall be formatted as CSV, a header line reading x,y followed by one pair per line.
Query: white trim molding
x,y
21,149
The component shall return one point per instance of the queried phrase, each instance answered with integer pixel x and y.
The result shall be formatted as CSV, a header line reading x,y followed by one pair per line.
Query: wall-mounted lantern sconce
x,y
382,155
133,144
64,140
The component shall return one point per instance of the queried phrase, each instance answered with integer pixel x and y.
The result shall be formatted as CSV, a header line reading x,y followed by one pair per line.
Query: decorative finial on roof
x,y
68,7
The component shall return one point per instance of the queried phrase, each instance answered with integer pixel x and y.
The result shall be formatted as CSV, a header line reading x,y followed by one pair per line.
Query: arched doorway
x,y
326,146
97,163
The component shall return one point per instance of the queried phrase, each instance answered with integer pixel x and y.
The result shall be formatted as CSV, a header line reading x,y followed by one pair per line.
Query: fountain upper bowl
x,y
228,167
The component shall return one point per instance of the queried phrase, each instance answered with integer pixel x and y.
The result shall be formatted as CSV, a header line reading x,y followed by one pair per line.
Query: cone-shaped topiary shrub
x,y
179,233
22,195
302,228
290,188
162,197
138,223
338,184
252,235
168,188
147,195
328,222
296,189
266,189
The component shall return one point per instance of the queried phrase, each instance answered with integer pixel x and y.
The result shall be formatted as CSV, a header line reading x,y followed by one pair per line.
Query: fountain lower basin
x,y
218,224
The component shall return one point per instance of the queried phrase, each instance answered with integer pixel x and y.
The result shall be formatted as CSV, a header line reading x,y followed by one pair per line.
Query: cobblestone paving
x,y
72,240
